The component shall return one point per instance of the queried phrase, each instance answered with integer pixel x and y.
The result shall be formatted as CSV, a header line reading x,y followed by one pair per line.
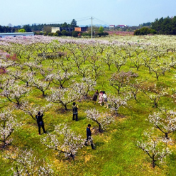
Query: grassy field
x,y
116,151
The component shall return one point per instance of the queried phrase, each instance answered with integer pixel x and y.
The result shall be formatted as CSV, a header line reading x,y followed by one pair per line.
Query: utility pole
x,y
91,26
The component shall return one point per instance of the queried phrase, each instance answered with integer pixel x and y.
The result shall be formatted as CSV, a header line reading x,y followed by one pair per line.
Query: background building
x,y
81,29
68,29
55,29
121,26
111,26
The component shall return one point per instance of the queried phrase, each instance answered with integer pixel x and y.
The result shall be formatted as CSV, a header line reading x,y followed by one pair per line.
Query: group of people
x,y
88,131
101,96
40,124
102,99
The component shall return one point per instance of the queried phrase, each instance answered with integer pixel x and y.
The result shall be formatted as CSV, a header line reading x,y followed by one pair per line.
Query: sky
x,y
109,12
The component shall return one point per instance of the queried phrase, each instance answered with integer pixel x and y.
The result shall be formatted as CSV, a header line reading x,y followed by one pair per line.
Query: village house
x,y
68,29
111,26
121,26
81,29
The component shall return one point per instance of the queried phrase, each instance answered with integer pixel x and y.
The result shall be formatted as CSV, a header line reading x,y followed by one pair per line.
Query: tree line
x,y
36,27
6,29
166,26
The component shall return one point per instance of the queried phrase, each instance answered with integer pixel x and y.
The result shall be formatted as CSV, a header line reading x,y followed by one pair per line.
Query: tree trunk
x,y
17,171
166,136
18,104
43,93
153,161
149,70
157,76
65,106
135,97
100,129
4,141
155,104
118,90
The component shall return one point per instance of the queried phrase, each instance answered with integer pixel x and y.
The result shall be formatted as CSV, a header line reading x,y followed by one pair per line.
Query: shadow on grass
x,y
62,111
50,128
81,117
99,144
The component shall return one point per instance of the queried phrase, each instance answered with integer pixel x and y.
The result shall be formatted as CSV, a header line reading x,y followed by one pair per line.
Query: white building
x,y
16,34
122,26
54,29
111,26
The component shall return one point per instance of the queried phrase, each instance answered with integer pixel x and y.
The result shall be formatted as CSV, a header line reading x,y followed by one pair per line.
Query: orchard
x,y
133,132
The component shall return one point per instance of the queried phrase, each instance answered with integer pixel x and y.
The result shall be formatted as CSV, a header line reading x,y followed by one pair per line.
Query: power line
x,y
101,21
77,19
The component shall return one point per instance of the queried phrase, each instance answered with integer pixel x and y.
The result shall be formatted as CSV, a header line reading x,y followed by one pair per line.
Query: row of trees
x,y
145,31
165,25
36,27
159,26
63,33
6,29
40,27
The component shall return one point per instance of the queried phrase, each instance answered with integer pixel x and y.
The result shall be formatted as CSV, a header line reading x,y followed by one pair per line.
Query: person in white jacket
x,y
105,100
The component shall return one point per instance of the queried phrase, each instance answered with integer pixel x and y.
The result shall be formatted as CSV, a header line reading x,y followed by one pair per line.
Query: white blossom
x,y
68,146
101,119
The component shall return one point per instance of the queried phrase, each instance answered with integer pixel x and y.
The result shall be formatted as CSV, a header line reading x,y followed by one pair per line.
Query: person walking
x,y
89,138
75,111
95,96
40,122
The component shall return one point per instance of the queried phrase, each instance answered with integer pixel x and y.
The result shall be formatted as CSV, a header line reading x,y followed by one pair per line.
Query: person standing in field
x,y
100,98
40,122
89,138
95,96
105,100
75,111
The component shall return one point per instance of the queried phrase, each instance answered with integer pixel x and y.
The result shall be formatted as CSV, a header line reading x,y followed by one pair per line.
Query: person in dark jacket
x,y
75,111
40,122
95,96
89,139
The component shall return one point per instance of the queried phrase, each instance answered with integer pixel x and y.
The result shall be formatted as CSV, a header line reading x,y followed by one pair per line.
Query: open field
x,y
50,73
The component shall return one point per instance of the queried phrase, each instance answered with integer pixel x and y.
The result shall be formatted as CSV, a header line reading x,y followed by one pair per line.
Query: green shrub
x,y
75,34
50,34
59,33
21,30
144,31
55,34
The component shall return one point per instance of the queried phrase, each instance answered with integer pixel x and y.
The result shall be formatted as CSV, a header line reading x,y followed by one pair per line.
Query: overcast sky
x,y
129,12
